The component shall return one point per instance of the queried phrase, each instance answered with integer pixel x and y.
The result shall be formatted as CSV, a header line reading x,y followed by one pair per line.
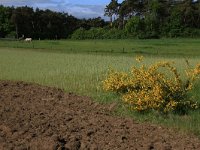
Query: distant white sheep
x,y
28,39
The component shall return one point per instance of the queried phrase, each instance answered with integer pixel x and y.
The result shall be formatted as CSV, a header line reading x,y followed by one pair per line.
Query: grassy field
x,y
176,47
80,66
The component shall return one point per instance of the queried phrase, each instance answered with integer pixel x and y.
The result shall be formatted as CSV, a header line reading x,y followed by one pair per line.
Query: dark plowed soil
x,y
43,118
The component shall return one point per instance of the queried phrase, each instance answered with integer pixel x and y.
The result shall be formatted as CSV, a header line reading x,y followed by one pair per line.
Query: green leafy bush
x,y
98,33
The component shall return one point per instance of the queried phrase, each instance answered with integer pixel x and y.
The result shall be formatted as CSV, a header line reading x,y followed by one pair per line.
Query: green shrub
x,y
79,34
11,35
98,33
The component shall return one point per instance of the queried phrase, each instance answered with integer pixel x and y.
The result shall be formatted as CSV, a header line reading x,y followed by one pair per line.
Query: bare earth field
x,y
38,117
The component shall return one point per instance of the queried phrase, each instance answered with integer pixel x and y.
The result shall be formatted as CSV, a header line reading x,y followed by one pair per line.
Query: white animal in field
x,y
28,39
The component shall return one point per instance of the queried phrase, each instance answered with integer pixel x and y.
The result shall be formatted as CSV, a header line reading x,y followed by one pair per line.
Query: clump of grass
x,y
147,88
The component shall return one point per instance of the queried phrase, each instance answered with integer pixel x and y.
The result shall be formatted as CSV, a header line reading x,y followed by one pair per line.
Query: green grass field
x,y
80,66
177,47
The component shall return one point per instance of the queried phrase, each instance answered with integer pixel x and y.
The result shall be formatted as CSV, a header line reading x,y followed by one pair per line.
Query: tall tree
x,y
190,13
111,10
5,23
22,17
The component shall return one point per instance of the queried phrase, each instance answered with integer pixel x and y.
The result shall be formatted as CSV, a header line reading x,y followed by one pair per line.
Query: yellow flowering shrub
x,y
156,87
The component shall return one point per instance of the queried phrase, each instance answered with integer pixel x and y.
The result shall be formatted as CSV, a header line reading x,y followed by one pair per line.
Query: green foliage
x,y
173,26
111,9
128,19
150,20
152,17
190,32
155,18
98,33
115,34
5,24
11,35
142,28
79,34
42,24
135,27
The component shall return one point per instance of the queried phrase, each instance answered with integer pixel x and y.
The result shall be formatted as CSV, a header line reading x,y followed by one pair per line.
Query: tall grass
x,y
82,72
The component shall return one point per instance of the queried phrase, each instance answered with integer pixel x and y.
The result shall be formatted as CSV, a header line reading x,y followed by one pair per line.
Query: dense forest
x,y
129,19
41,24
155,18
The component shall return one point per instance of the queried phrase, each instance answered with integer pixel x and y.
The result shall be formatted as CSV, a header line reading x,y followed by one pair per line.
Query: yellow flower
x,y
139,58
147,88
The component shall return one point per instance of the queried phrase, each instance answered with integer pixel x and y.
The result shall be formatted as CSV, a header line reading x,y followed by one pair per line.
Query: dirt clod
x,y
37,117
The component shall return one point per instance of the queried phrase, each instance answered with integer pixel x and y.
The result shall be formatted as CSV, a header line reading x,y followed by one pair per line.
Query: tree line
x,y
128,19
155,18
41,24
147,19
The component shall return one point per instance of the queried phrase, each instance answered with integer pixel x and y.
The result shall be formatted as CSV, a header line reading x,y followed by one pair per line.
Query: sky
x,y
77,8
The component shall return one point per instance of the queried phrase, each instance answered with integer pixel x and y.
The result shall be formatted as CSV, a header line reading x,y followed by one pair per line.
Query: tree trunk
x,y
111,22
16,28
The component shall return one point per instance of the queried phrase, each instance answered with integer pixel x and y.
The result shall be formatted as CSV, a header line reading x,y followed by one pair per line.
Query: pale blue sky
x,y
78,8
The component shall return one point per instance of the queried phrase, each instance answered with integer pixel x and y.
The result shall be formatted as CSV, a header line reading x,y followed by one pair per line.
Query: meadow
x,y
80,66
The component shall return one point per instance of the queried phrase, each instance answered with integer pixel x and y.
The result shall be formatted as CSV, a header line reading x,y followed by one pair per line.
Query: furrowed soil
x,y
43,118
